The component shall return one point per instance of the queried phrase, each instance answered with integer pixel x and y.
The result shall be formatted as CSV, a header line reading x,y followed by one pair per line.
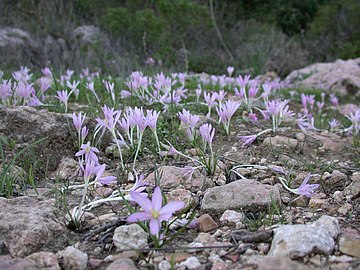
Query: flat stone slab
x,y
30,225
297,241
245,195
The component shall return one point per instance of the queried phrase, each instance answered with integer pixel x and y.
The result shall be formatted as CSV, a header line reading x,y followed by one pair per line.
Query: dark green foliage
x,y
261,35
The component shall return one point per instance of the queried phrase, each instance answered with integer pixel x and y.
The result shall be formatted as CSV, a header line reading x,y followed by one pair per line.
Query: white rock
x,y
72,258
231,217
191,263
130,236
164,265
297,241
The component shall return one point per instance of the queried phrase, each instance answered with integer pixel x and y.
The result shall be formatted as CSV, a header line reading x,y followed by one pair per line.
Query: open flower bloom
x,y
304,189
153,210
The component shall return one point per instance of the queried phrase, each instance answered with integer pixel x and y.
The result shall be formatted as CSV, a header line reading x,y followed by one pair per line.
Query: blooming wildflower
x,y
111,117
334,100
243,81
230,70
74,87
63,96
354,117
105,180
253,91
220,95
34,101
24,90
207,132
247,140
5,90
253,117
334,124
84,132
89,153
78,121
306,189
152,117
189,122
153,210
210,101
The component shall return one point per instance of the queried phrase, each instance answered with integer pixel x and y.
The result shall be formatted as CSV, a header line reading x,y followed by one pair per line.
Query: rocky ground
x,y
245,218
247,222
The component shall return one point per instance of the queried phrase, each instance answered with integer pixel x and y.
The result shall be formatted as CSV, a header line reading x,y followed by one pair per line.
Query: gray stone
x,y
176,177
191,263
280,263
87,34
9,263
354,188
280,142
45,260
26,125
296,241
340,76
122,264
30,225
72,259
130,237
245,195
231,217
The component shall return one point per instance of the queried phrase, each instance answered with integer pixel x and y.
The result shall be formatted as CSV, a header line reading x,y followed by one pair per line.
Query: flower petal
x,y
157,199
154,227
145,203
172,207
136,217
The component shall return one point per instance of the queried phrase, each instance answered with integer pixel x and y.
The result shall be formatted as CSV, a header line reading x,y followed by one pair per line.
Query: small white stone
x,y
231,217
191,263
164,265
195,245
130,236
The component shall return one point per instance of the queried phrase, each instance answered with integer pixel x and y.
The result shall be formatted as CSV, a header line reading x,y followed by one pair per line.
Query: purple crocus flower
x,y
5,89
89,153
105,180
152,117
247,140
305,188
153,210
243,81
207,132
354,117
63,96
78,121
230,70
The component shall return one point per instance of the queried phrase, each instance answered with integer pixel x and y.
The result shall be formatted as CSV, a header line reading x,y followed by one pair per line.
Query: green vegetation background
x,y
258,35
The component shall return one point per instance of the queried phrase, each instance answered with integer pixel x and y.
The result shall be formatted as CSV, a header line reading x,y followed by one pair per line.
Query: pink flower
x,y
89,153
78,121
230,70
153,210
247,140
305,188
207,132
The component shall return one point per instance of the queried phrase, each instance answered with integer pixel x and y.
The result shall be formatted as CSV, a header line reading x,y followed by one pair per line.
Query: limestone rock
x,y
130,236
246,195
280,142
45,260
72,259
296,241
26,125
38,225
175,177
342,76
122,264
